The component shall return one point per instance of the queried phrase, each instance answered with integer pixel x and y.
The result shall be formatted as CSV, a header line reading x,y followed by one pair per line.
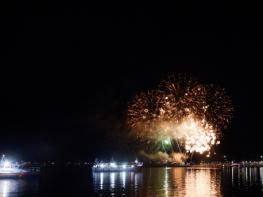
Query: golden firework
x,y
189,112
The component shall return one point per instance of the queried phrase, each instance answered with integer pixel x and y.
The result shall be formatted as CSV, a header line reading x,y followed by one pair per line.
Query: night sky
x,y
68,71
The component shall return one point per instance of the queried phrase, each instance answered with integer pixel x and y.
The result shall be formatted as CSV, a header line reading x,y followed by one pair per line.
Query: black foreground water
x,y
203,182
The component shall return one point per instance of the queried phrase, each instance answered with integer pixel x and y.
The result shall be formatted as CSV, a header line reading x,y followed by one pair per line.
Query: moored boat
x,y
117,166
10,169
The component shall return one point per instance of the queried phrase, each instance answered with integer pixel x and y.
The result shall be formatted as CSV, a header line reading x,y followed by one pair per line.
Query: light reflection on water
x,y
182,182
159,182
261,176
202,182
243,177
15,187
110,183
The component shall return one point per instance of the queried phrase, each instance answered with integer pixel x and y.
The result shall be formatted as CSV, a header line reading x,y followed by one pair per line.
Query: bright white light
x,y
132,166
5,189
7,167
123,174
101,180
7,164
113,165
124,166
101,165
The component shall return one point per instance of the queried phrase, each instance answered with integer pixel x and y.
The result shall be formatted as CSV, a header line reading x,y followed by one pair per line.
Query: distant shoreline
x,y
212,165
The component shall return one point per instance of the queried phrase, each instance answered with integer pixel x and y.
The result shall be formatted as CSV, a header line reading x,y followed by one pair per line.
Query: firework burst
x,y
182,110
145,113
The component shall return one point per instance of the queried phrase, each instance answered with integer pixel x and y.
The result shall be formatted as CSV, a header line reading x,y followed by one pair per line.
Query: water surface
x,y
181,182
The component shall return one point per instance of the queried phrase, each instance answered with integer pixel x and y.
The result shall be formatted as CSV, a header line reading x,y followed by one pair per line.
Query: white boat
x,y
10,169
117,167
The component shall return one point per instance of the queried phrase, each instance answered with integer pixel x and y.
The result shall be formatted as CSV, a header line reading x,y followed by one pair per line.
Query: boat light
x,y
113,165
7,164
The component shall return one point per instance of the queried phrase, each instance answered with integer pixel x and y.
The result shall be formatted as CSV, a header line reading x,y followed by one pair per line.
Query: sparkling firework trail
x,y
183,110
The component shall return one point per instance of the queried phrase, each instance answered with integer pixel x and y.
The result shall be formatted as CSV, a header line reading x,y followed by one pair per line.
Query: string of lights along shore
x,y
182,116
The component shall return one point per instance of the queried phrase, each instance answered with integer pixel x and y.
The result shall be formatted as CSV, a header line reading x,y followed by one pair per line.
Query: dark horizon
x,y
70,71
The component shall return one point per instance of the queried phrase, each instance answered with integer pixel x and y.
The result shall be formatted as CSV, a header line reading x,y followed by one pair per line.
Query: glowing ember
x,y
199,136
182,110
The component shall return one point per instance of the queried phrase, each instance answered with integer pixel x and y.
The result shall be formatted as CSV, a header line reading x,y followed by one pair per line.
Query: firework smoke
x,y
189,113
165,157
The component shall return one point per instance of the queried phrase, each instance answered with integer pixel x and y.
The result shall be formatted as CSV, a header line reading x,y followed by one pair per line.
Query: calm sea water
x,y
203,182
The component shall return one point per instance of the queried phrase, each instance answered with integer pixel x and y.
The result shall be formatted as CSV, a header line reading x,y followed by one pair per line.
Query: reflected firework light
x,y
182,110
